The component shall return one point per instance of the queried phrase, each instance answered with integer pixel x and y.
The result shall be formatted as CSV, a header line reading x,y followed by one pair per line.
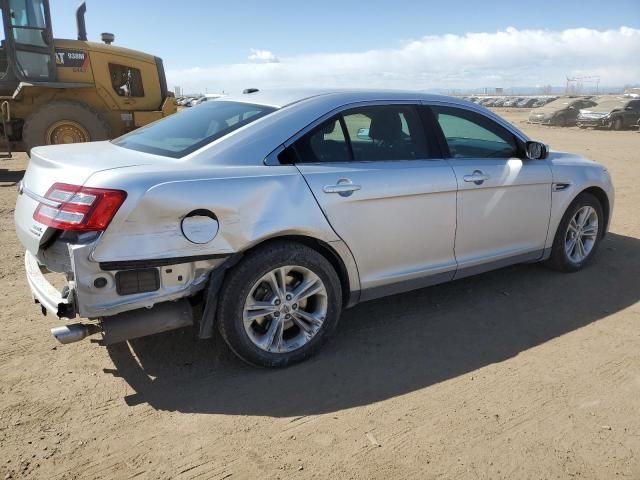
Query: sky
x,y
432,45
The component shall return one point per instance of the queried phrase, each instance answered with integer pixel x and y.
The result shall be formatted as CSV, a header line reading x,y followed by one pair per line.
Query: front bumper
x,y
592,122
540,120
51,300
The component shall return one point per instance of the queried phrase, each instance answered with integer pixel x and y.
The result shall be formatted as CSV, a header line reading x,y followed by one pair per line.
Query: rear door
x,y
386,191
504,200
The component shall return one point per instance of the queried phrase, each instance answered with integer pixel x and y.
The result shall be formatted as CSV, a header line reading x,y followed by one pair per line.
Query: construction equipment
x,y
69,91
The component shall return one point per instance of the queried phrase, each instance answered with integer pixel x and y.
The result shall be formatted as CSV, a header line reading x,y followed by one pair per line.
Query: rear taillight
x,y
84,209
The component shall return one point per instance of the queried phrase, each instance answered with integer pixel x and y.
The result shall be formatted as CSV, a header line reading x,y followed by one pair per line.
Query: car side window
x,y
370,133
472,135
386,132
635,105
325,143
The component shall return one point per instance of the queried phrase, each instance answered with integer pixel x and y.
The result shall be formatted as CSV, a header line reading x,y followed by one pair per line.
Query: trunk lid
x,y
72,164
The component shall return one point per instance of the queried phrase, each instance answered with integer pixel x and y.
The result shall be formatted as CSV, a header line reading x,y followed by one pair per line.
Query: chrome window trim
x,y
272,158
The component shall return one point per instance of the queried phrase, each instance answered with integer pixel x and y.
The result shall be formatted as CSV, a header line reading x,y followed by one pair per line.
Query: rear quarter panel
x,y
250,203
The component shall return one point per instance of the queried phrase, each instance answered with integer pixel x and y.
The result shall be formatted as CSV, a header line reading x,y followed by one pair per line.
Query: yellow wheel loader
x,y
67,91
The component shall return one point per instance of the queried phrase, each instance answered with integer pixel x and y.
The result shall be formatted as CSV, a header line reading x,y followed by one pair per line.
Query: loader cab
x,y
27,52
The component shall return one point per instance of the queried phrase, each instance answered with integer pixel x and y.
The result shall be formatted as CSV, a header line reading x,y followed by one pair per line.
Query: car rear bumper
x,y
44,293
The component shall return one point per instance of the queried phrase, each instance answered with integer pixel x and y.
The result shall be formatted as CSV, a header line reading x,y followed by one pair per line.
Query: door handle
x,y
477,177
344,187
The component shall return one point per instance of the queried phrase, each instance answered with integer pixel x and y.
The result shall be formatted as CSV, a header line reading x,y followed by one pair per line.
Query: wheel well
x,y
601,195
324,249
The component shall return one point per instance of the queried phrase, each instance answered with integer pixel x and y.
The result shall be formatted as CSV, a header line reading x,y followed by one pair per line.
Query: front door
x,y
29,41
631,113
387,192
504,200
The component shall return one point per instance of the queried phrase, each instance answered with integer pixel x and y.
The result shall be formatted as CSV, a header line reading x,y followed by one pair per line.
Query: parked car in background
x,y
511,102
269,213
543,101
526,102
562,112
614,113
499,102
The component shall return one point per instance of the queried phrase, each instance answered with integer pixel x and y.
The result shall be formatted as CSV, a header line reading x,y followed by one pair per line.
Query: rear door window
x,y
325,143
370,133
392,132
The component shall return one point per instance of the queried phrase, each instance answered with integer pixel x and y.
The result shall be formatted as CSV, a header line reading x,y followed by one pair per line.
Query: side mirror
x,y
363,134
536,150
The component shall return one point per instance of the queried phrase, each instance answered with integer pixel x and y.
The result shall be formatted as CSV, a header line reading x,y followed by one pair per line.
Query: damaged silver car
x,y
265,214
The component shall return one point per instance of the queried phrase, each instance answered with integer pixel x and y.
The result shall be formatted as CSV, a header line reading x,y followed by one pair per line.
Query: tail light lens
x,y
81,209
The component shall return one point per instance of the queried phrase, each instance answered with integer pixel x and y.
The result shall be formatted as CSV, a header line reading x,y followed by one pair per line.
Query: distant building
x,y
177,91
499,91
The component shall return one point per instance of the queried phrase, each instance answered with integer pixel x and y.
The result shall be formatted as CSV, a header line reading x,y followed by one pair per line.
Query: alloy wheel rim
x,y
285,309
582,233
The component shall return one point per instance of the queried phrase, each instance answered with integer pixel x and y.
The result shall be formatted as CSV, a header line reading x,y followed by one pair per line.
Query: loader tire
x,y
64,122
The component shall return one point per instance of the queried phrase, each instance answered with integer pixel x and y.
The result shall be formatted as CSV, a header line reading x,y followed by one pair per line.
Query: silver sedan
x,y
264,215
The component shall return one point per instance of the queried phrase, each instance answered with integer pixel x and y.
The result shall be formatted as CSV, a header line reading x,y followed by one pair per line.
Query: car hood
x,y
568,159
547,110
600,110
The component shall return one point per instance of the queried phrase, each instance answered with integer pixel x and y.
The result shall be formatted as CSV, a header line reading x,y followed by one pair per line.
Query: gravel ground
x,y
515,374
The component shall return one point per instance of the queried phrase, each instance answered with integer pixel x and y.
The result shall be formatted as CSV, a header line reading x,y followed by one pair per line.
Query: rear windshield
x,y
184,132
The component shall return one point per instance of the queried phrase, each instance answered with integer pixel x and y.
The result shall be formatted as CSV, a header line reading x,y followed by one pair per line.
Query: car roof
x,y
283,97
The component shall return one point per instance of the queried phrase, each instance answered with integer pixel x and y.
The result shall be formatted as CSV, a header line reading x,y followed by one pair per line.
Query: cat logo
x,y
76,59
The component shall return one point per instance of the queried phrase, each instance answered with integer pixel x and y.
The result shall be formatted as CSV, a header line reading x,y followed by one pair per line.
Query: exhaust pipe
x,y
82,28
129,325
74,333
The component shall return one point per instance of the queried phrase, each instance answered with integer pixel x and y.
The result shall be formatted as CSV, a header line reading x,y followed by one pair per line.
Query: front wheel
x,y
617,124
560,121
578,234
279,304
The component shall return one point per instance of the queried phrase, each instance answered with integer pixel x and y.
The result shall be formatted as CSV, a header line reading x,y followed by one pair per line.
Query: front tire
x,y
560,121
578,234
617,124
279,304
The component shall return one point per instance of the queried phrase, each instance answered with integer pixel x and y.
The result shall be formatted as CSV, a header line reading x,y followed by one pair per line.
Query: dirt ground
x,y
516,374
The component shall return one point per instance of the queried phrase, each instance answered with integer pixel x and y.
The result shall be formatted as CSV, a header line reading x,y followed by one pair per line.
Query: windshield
x,y
560,103
609,105
187,131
